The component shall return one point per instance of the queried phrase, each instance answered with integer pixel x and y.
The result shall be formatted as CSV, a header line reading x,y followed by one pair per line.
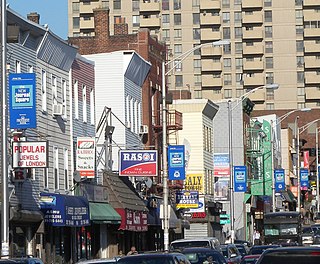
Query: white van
x,y
205,242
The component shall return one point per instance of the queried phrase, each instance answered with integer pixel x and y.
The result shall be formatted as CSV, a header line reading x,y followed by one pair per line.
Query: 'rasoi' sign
x,y
31,154
138,163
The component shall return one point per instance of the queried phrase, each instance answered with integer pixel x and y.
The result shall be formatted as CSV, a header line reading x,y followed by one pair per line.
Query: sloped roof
x,y
120,195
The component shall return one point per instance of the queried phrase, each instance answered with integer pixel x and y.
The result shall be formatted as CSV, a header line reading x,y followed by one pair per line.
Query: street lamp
x,y
181,57
317,162
230,109
300,130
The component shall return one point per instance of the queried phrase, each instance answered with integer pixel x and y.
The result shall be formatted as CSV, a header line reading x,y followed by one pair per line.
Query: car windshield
x,y
249,260
259,249
280,229
242,249
156,259
203,257
189,244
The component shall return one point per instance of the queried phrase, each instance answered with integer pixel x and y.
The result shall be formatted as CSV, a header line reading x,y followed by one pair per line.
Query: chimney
x,y
34,17
101,22
120,26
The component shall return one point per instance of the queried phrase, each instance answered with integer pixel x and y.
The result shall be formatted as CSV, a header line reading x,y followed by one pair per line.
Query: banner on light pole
x,y
279,180
304,179
176,162
240,178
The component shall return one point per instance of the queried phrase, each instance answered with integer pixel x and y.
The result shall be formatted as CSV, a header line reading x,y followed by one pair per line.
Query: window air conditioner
x,y
143,129
57,110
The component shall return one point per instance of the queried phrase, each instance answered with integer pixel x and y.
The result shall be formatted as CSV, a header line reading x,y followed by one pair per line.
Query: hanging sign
x,y
279,180
176,162
304,179
240,178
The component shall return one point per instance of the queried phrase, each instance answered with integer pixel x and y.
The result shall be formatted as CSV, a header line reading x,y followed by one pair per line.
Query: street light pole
x,y
181,58
4,121
317,161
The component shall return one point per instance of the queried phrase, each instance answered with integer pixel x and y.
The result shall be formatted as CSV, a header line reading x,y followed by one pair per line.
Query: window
x,y
135,5
239,63
227,49
30,68
105,4
268,32
196,18
197,80
18,66
225,3
267,3
65,169
177,4
299,45
84,103
227,79
136,21
300,77
226,33
76,22
76,99
178,65
165,19
177,33
64,98
195,3
165,34
270,94
116,4
165,4
239,79
226,17
177,19
299,16
196,33
198,94
92,106
299,30
237,2
237,17
179,80
239,92
227,93
269,62
299,2
44,90
75,7
45,178
196,51
54,90
56,167
301,105
268,16
301,91
269,46
270,106
238,47
238,32
197,64
227,64
269,78
300,61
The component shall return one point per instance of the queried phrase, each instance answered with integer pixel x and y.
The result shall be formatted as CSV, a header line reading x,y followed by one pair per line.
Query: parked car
x,y
243,249
307,235
25,260
296,255
231,253
316,218
155,258
244,242
208,242
203,255
249,259
99,261
258,250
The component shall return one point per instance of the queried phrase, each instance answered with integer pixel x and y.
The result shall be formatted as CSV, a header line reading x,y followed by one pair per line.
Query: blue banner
x,y
240,178
304,179
280,184
22,100
176,162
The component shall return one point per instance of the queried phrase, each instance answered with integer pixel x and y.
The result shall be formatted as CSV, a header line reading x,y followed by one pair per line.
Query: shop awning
x,y
246,197
103,213
288,196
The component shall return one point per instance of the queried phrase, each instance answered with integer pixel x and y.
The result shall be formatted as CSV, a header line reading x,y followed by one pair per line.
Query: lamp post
x,y
4,152
181,57
317,162
299,131
230,146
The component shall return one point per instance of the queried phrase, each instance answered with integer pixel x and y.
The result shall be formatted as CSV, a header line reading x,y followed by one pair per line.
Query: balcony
x,y
209,81
311,62
312,93
86,24
208,34
210,51
258,95
88,9
311,15
254,65
151,6
256,17
256,33
312,78
257,48
209,19
174,121
311,46
312,32
211,96
252,3
313,3
210,4
150,22
210,65
255,80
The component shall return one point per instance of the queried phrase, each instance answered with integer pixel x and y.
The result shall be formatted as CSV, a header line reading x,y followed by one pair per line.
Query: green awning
x,y
103,213
246,197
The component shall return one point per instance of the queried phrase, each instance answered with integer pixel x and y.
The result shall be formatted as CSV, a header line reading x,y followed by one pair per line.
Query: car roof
x,y
157,255
195,239
293,249
251,256
106,260
199,249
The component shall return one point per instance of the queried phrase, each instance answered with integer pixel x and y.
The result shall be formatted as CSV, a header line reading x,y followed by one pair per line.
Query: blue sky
x,y
52,12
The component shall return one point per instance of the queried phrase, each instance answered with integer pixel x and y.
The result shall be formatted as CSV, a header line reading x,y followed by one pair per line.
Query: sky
x,y
52,12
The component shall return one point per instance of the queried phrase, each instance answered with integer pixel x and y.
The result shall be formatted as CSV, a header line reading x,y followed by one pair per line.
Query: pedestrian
x,y
132,251
256,237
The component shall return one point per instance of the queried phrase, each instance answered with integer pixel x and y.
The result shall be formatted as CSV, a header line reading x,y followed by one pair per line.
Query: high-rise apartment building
x,y
272,41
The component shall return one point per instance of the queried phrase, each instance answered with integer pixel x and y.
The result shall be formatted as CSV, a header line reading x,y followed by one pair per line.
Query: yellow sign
x,y
194,182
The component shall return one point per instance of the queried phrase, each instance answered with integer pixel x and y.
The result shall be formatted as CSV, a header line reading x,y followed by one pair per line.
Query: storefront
x,y
67,228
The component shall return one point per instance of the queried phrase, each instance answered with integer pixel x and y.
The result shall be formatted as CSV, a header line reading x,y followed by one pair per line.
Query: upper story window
x,y
165,5
75,7
177,19
92,107
135,5
54,90
117,4
18,66
44,90
76,99
177,4
84,102
64,98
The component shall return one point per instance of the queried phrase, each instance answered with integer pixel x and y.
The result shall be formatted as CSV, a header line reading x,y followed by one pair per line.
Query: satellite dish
x,y
76,176
148,183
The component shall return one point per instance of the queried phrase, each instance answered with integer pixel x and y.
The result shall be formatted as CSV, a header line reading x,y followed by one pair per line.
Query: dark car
x,y
243,249
99,261
231,253
258,250
244,242
295,255
307,235
155,258
249,259
26,260
203,255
